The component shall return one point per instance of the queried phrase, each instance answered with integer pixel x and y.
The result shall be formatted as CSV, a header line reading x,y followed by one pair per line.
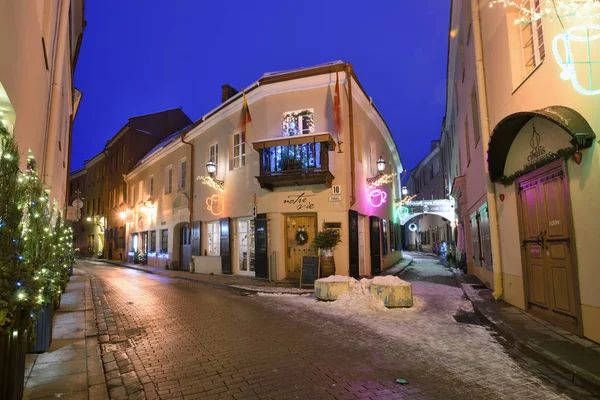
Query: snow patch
x,y
337,278
389,280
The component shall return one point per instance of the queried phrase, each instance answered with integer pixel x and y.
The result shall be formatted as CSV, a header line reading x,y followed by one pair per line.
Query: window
x,y
373,157
152,241
133,195
168,179
485,238
100,206
239,150
476,239
214,236
164,241
298,122
532,40
141,191
114,162
182,173
384,238
123,154
88,209
467,141
358,141
151,186
475,116
213,155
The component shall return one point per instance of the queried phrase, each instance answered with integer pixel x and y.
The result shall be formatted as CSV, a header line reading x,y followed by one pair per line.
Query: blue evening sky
x,y
144,56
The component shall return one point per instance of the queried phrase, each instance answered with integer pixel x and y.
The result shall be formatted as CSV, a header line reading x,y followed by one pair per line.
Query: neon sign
x,y
377,197
568,64
215,204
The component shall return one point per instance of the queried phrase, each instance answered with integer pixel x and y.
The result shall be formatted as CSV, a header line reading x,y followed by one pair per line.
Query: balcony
x,y
295,160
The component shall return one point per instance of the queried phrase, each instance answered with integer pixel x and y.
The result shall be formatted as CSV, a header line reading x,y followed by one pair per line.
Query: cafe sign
x,y
536,141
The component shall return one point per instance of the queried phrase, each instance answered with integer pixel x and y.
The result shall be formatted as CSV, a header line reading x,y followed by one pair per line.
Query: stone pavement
x,y
171,338
71,368
575,358
399,267
555,352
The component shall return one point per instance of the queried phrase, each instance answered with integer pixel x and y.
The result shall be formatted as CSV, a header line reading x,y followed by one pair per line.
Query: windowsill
x,y
527,77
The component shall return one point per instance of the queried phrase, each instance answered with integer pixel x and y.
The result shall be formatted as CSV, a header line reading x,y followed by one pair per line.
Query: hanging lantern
x,y
501,197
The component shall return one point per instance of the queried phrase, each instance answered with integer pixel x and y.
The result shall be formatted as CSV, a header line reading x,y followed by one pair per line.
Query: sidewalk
x,y
575,358
398,268
72,367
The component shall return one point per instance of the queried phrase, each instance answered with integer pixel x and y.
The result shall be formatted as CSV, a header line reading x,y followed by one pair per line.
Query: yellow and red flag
x,y
246,117
337,112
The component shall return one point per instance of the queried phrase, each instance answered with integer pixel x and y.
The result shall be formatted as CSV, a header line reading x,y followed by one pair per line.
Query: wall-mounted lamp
x,y
380,164
380,178
404,190
211,169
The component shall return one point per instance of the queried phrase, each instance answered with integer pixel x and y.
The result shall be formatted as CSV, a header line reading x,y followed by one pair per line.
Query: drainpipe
x,y
348,70
191,202
56,88
485,137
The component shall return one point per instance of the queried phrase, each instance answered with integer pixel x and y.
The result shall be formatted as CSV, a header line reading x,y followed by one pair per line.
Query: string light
x,y
208,181
381,180
554,8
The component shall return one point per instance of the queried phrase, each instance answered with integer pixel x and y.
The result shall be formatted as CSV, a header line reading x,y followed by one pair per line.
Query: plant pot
x,y
12,360
43,330
327,263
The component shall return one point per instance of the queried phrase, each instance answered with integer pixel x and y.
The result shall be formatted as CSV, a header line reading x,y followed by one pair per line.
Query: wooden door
x,y
296,251
185,248
353,240
547,244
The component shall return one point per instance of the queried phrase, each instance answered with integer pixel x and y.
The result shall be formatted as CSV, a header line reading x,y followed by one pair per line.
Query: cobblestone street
x,y
167,338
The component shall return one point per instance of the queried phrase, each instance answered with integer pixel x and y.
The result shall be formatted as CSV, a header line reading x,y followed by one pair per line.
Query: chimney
x,y
227,92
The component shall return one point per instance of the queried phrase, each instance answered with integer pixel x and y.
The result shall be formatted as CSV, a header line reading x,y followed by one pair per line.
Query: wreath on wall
x,y
301,237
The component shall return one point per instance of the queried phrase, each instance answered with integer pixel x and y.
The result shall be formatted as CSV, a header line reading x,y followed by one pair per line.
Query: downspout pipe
x,y
485,137
56,88
348,71
191,202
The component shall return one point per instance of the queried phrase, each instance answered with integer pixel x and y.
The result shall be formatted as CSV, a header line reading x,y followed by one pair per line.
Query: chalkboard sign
x,y
310,270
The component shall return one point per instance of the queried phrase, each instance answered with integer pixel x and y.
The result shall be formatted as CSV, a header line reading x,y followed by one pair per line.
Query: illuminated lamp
x,y
211,169
380,164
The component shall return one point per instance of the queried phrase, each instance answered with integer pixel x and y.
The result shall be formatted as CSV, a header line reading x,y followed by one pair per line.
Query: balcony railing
x,y
295,160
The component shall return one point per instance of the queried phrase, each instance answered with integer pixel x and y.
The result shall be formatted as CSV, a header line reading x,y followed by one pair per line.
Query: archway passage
x,y
540,132
443,207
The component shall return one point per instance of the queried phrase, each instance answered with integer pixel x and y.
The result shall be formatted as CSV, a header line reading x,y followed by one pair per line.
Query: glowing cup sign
x,y
377,197
215,204
581,36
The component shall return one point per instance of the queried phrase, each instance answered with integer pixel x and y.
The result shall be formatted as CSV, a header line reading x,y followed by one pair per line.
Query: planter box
x,y
329,290
12,362
43,330
397,295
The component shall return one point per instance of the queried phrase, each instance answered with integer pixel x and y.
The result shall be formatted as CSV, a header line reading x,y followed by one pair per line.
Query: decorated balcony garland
x,y
565,154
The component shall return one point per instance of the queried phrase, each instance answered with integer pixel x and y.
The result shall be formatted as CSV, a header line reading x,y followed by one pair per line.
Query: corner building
x,y
288,170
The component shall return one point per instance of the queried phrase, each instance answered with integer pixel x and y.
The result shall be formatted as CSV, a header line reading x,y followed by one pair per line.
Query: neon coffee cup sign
x,y
377,197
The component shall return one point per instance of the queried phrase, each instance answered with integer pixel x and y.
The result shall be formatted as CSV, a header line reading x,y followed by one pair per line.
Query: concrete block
x,y
398,294
329,291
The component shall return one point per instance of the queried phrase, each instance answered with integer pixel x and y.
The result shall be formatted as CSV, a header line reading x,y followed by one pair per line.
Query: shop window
x,y
152,241
384,234
476,238
485,239
213,235
164,241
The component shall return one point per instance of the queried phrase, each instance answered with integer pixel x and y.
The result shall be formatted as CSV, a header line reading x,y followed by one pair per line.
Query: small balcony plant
x,y
326,241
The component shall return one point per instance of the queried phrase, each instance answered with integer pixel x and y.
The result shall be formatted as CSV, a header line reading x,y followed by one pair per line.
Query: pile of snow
x,y
389,280
337,278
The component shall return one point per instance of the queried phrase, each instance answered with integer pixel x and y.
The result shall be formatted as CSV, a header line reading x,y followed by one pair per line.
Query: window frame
x,y
152,244
536,32
181,184
169,179
151,186
241,157
214,157
213,238
164,241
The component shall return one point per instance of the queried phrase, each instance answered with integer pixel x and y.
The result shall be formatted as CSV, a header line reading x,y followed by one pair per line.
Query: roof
x,y
77,173
289,71
161,144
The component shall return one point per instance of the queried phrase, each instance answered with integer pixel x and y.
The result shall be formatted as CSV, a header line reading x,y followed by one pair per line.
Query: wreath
x,y
301,237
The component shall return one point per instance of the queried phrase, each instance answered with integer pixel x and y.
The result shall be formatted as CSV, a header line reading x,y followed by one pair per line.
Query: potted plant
x,y
326,240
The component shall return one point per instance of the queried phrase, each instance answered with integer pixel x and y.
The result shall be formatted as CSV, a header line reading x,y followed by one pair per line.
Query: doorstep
x,y
575,358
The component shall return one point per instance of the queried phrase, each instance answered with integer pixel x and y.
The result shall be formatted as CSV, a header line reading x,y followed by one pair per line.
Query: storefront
x,y
544,164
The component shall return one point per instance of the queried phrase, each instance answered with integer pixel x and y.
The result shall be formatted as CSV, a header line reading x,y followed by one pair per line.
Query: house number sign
x,y
300,201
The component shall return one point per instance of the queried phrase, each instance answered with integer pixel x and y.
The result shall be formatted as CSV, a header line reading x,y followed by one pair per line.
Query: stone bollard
x,y
393,291
332,287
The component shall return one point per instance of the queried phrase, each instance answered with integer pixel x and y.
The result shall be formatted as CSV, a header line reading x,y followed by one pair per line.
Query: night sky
x,y
144,56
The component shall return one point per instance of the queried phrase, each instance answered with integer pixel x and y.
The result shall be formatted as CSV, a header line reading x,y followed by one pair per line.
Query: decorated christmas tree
x,y
19,287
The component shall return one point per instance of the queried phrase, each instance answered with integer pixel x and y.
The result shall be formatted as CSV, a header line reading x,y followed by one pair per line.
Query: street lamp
x,y
404,190
211,169
380,164
122,215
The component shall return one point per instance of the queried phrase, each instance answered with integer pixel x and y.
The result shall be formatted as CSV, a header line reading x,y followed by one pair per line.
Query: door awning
x,y
506,131
324,138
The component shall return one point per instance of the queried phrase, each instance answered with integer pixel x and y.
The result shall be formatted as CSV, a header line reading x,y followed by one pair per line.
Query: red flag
x,y
246,117
337,113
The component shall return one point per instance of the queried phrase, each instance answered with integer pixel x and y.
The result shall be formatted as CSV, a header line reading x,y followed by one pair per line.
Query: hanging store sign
x,y
377,197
